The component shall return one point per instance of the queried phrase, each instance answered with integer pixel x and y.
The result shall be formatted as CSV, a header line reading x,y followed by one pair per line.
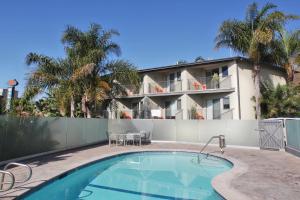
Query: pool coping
x,y
220,183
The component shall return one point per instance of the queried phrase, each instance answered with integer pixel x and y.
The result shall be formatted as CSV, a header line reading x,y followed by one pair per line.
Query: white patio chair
x,y
116,138
129,138
146,136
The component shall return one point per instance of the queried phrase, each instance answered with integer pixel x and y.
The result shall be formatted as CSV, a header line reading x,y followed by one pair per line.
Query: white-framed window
x,y
226,103
225,71
179,104
178,75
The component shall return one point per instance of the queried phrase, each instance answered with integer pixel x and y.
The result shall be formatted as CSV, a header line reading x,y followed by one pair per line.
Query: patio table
x,y
136,135
117,137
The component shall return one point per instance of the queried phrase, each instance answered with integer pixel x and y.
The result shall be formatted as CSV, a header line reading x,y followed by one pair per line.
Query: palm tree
x,y
286,51
252,38
53,75
90,52
22,107
280,101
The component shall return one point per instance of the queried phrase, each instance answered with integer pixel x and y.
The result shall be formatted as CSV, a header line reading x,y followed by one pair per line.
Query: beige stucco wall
x,y
234,101
200,100
272,76
244,84
247,89
160,102
159,78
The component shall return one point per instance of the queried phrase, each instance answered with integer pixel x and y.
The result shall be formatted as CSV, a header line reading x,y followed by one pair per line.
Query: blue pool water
x,y
143,176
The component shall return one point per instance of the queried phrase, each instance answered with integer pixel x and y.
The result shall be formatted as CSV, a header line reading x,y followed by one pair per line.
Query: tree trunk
x,y
62,111
257,90
88,112
290,74
72,104
83,106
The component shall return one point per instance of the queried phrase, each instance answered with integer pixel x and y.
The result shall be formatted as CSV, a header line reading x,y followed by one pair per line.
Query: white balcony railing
x,y
209,83
162,87
165,87
228,114
132,90
196,114
199,114
145,114
140,114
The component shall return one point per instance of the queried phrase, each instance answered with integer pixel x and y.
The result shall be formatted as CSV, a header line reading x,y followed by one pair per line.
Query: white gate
x,y
271,134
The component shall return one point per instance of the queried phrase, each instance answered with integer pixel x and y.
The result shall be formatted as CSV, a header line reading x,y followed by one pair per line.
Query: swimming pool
x,y
140,175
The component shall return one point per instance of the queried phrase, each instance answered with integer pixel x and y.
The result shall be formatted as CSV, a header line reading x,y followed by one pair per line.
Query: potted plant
x,y
215,80
193,112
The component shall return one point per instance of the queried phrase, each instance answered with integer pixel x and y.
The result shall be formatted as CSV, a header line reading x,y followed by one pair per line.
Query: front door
x,y
209,109
170,109
216,109
135,110
213,109
171,82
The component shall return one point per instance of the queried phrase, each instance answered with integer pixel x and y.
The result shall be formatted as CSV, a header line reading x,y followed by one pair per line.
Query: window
x,y
226,103
179,104
178,75
224,71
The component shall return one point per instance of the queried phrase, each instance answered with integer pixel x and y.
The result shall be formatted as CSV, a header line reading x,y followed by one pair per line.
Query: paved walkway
x,y
257,174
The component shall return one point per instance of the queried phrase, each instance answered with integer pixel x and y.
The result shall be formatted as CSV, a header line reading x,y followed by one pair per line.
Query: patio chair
x,y
116,138
133,136
129,138
146,136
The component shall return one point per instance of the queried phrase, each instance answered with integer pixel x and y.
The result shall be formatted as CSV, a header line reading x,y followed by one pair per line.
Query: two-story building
x,y
212,89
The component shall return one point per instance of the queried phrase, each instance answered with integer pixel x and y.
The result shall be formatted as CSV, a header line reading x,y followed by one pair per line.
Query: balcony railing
x,y
136,114
132,90
228,114
196,114
199,114
143,114
162,87
165,87
209,83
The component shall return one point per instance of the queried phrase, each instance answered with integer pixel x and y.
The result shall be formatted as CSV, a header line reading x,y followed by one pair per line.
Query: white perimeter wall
x,y
237,132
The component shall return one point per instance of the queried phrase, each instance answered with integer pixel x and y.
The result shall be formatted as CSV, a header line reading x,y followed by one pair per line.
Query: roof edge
x,y
194,64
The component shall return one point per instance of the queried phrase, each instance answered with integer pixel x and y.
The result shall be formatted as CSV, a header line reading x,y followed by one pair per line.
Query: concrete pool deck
x,y
257,174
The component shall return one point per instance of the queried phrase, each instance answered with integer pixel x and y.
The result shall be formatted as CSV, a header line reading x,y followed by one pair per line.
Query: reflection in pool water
x,y
143,175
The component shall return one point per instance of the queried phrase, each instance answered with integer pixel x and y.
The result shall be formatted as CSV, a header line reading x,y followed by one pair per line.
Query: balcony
x,y
137,114
212,83
196,85
143,114
133,91
199,114
163,87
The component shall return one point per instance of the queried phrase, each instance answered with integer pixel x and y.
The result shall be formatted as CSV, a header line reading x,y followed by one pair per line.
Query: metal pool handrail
x,y
222,144
12,183
4,172
20,165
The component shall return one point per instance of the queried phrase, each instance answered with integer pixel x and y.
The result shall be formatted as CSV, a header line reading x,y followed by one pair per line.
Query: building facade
x,y
207,90
6,96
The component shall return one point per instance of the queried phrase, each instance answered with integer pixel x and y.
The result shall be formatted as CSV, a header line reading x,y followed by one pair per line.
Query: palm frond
x,y
235,35
71,36
83,72
264,11
123,72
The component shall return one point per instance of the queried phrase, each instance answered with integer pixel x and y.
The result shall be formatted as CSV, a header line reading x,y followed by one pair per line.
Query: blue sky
x,y
153,32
